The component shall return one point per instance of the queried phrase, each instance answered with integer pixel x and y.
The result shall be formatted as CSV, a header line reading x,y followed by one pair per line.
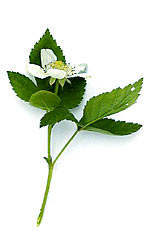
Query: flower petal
x,y
37,71
56,73
47,57
81,68
83,75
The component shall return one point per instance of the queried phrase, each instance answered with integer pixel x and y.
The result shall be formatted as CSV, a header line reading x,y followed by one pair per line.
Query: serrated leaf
x,y
110,126
22,85
107,104
45,100
72,94
46,42
57,115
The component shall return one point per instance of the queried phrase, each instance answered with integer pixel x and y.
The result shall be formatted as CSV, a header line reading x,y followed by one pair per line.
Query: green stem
x,y
39,219
56,87
50,166
65,146
49,142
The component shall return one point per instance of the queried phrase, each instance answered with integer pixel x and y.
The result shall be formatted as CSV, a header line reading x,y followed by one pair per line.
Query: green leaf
x,y
45,100
46,42
71,95
43,84
107,104
57,115
22,85
110,126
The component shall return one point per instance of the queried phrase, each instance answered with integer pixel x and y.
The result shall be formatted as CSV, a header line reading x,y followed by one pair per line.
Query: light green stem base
x,y
39,219
51,166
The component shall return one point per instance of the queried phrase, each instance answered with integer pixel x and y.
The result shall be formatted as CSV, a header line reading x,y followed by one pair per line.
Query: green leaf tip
x,y
47,42
112,127
22,85
107,103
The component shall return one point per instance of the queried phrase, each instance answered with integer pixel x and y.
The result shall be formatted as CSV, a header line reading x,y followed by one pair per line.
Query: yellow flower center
x,y
60,65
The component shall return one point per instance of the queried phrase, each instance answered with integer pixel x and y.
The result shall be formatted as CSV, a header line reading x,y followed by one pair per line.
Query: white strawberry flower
x,y
55,69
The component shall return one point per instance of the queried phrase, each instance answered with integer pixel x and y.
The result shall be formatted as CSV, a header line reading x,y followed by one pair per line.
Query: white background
x,y
100,192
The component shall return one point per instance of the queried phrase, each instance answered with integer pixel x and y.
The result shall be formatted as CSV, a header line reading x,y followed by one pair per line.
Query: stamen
x,y
62,66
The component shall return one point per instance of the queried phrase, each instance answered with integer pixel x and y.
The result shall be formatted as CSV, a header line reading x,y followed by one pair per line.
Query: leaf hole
x,y
133,88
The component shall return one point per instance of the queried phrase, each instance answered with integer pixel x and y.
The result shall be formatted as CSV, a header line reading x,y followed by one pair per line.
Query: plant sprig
x,y
56,92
